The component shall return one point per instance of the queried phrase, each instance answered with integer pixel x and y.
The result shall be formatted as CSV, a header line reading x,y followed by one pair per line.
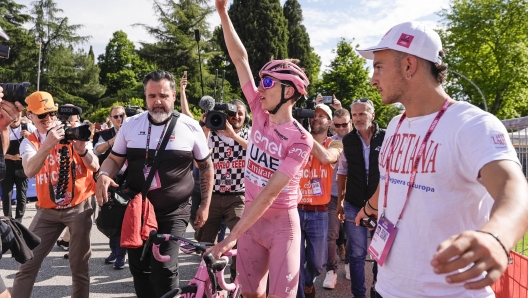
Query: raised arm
x,y
236,49
183,97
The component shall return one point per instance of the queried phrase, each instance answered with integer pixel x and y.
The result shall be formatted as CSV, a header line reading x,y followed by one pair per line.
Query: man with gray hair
x,y
357,180
452,199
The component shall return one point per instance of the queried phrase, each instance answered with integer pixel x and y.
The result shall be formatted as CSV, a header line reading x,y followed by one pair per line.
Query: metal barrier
x,y
518,132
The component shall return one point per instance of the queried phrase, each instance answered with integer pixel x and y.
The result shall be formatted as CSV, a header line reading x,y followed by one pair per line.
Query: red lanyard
x,y
416,160
159,143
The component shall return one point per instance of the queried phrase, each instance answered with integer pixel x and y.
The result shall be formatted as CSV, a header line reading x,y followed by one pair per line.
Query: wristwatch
x,y
102,173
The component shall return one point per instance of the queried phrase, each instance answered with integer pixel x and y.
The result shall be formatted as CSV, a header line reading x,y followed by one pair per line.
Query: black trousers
x,y
7,191
153,277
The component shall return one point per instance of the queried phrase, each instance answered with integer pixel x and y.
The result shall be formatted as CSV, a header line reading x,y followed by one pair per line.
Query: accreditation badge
x,y
317,186
155,184
382,240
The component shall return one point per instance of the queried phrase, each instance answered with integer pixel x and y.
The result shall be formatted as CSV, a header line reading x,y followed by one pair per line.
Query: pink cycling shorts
x,y
271,245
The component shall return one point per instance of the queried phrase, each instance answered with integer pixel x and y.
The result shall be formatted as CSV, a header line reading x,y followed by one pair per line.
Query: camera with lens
x,y
15,92
303,110
216,118
81,132
216,112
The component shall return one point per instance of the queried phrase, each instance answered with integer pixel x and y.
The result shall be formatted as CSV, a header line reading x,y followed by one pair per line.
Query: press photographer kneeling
x,y
63,162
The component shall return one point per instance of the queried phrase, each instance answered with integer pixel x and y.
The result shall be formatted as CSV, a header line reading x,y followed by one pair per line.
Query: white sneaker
x,y
347,271
330,280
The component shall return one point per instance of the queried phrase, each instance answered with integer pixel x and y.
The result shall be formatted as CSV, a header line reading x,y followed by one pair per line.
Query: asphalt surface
x,y
54,278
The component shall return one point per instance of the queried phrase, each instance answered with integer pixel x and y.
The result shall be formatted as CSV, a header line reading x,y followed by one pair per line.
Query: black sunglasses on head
x,y
364,100
119,116
43,116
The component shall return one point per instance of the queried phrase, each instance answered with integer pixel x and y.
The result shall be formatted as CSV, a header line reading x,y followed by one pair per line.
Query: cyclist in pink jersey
x,y
268,233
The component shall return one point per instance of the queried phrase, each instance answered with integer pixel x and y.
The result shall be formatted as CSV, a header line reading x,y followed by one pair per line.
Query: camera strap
x,y
159,152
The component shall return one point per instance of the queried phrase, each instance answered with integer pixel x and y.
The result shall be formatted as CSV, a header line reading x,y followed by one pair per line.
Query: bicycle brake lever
x,y
152,235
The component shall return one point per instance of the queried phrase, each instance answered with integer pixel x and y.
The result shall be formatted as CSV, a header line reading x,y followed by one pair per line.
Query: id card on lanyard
x,y
385,234
156,183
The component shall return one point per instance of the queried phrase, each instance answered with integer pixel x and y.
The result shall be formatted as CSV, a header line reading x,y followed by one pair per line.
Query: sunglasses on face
x,y
119,116
268,83
337,125
43,116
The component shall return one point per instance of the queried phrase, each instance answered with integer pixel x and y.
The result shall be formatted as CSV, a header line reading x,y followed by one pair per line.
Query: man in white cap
x,y
452,199
316,186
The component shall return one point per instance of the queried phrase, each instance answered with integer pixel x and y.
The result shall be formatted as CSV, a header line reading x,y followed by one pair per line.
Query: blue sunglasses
x,y
268,82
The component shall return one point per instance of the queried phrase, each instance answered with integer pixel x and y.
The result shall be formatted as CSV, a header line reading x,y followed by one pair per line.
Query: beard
x,y
318,129
159,114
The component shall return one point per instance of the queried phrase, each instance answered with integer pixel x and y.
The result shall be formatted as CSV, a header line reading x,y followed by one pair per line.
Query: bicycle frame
x,y
208,276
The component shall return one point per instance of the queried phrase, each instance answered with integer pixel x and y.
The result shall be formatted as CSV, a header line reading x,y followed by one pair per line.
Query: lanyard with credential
x,y
159,143
416,161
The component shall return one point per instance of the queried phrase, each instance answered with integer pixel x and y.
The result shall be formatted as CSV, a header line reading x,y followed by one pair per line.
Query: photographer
x,y
62,195
228,151
14,171
8,114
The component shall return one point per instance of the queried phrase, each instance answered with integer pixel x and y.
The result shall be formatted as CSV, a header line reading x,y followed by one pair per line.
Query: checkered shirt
x,y
229,162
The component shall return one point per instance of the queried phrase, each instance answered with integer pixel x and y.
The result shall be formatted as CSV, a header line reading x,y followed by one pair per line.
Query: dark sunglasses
x,y
119,116
268,82
336,125
364,100
43,116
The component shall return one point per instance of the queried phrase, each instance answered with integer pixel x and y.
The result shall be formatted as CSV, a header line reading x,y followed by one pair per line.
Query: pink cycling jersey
x,y
272,147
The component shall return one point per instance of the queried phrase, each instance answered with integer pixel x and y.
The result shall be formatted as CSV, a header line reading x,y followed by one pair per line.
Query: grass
x,y
522,246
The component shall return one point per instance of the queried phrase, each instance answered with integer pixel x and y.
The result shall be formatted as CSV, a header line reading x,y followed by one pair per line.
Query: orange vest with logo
x,y
314,172
84,182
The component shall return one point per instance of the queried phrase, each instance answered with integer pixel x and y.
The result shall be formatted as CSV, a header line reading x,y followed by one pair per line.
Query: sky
x,y
327,21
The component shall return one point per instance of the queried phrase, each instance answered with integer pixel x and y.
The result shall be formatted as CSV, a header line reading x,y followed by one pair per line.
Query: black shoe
x,y
64,244
66,256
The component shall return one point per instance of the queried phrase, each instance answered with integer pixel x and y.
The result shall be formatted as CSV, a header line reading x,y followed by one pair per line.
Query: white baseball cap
x,y
325,108
412,38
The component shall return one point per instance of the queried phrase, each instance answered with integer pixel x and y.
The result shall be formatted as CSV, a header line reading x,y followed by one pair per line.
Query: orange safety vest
x,y
84,182
315,171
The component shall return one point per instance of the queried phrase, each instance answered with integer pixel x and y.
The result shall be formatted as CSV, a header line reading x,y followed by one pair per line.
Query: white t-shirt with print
x,y
447,197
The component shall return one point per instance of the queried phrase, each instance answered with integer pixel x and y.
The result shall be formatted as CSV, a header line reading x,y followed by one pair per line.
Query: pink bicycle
x,y
209,278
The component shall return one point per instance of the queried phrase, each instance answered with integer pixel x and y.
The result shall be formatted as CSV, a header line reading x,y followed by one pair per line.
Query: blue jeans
x,y
314,247
116,248
357,251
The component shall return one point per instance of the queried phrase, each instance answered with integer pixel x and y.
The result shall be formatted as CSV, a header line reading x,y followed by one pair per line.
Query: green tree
x,y
74,77
55,34
348,79
22,62
121,66
487,41
299,41
176,48
263,30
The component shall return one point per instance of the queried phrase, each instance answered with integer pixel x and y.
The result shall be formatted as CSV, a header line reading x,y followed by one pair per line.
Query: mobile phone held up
x,y
185,73
328,100
24,126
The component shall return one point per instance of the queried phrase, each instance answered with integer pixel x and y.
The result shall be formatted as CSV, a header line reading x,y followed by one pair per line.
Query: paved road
x,y
54,277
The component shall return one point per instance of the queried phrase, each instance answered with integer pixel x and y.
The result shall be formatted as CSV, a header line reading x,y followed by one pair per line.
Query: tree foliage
x,y
176,49
263,30
121,66
54,33
23,56
348,79
299,41
487,41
